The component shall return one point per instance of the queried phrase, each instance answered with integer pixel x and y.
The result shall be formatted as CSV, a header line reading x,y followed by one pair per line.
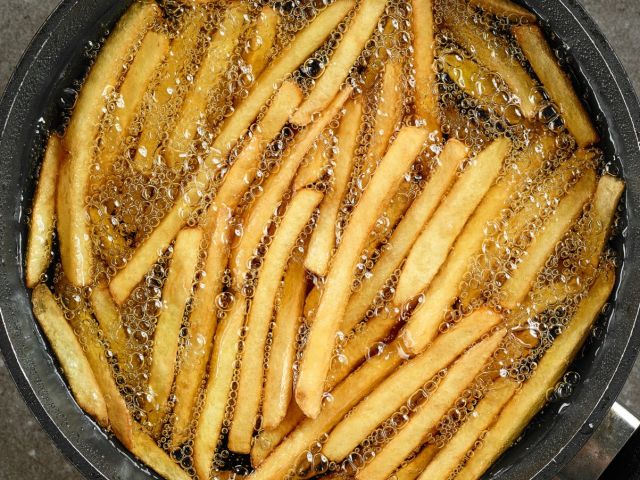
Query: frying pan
x,y
36,100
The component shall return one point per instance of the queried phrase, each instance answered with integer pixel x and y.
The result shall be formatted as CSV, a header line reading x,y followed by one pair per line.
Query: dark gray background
x,y
26,451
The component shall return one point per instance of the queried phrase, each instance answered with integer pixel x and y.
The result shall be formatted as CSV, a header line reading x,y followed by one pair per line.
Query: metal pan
x,y
35,101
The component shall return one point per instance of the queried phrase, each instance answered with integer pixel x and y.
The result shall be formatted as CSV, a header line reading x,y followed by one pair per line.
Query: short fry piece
x,y
416,465
423,53
469,77
269,439
316,357
258,50
323,240
43,214
295,219
314,169
505,8
147,450
110,322
432,246
353,41
556,82
605,202
533,395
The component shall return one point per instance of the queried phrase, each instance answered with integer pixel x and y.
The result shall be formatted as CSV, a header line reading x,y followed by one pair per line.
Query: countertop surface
x,y
27,451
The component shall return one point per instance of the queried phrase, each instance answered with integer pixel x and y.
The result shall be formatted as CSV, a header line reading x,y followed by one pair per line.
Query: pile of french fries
x,y
339,286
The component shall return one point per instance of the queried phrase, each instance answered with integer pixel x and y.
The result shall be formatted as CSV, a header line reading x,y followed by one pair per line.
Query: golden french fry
x,y
505,8
416,465
316,356
110,321
605,203
557,83
278,384
111,244
275,187
533,394
406,233
458,377
483,415
314,169
176,292
269,439
65,345
75,171
323,240
346,53
43,214
432,247
208,79
571,206
221,369
131,96
147,450
397,388
295,219
423,49
258,50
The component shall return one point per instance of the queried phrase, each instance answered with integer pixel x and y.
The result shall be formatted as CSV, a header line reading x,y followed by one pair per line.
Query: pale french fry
x,y
323,240
518,284
295,219
496,59
275,187
258,50
146,449
397,388
43,214
311,302
278,384
416,465
505,8
445,287
269,439
346,53
208,79
432,247
483,415
176,292
221,370
75,171
605,203
411,436
423,51
314,169
108,316
131,96
393,213
65,345
533,395
555,81
406,233
316,356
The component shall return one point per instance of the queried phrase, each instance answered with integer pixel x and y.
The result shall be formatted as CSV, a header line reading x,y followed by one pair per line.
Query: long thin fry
x,y
432,247
316,356
556,82
296,217
147,450
323,240
406,233
605,203
353,41
75,171
470,77
269,439
533,395
110,322
221,370
313,169
259,46
416,465
175,295
518,284
423,52
43,214
275,187
411,436
65,345
397,388
111,243
505,8
278,384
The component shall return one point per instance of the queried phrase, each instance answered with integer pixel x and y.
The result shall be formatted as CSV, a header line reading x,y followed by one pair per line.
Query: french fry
x,y
269,439
295,219
131,96
432,247
556,82
147,450
208,79
65,345
323,240
314,169
483,415
176,292
111,243
406,233
496,59
605,203
346,53
75,171
533,394
278,384
411,436
275,187
518,284
110,321
423,52
505,8
416,465
43,215
221,368
259,46
316,356
397,388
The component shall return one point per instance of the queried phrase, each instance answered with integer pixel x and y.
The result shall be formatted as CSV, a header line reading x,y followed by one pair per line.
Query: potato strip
x,y
505,8
417,464
423,51
259,47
